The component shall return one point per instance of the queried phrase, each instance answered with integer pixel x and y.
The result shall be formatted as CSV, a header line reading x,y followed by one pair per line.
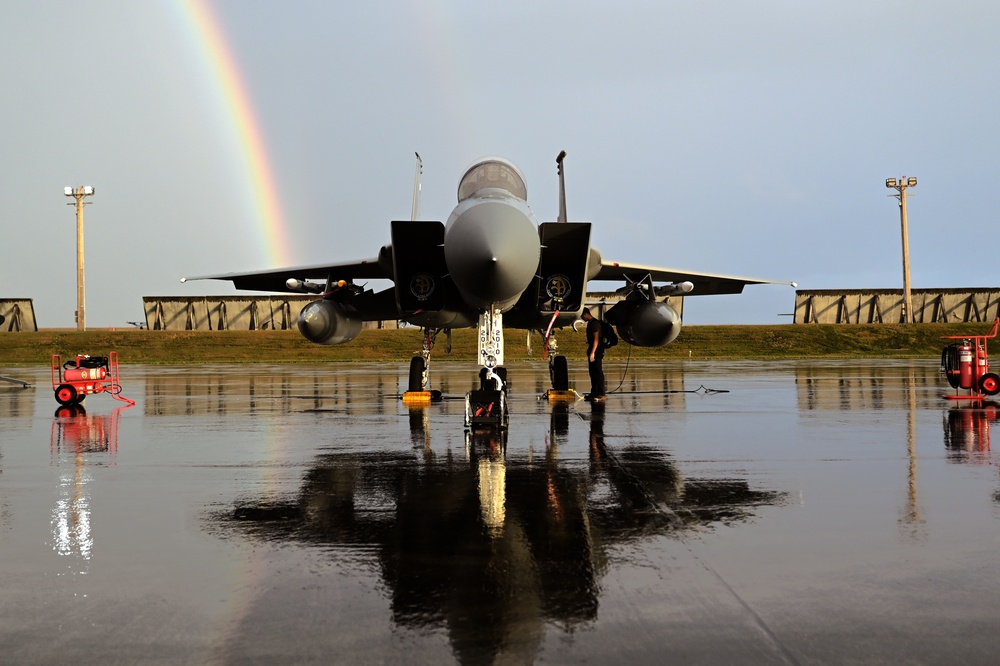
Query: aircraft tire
x,y
560,374
66,395
417,367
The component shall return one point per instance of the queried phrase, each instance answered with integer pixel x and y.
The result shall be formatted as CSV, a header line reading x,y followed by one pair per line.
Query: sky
x,y
748,138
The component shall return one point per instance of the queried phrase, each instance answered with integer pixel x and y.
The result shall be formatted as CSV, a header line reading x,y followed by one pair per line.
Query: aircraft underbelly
x,y
446,318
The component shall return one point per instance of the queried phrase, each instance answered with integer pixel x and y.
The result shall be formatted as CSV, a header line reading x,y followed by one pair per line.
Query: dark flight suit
x,y
596,368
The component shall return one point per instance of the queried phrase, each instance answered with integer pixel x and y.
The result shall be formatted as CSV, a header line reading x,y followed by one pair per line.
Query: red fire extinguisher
x,y
83,374
965,369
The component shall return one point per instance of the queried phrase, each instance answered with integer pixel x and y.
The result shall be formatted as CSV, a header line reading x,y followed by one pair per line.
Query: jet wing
x,y
275,280
704,283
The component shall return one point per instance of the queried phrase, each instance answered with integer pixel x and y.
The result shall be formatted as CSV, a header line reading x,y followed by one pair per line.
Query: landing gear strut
x,y
487,406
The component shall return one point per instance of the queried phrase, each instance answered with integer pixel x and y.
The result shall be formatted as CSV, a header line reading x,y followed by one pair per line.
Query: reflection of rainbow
x,y
237,102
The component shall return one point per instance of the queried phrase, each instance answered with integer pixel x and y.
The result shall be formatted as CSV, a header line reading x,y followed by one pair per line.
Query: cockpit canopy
x,y
492,172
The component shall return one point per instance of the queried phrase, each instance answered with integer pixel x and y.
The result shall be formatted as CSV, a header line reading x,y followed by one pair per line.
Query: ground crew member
x,y
595,356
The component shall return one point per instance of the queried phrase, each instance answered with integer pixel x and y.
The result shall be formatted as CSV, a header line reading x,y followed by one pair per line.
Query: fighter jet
x,y
491,264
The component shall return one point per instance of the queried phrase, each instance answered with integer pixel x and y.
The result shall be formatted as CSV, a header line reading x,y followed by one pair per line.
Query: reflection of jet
x,y
491,264
493,549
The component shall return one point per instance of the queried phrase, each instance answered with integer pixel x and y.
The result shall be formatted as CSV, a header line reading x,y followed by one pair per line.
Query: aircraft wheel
x,y
560,374
501,372
417,368
990,383
490,385
66,394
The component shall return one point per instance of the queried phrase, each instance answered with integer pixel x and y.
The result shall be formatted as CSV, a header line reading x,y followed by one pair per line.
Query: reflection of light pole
x,y
901,186
78,194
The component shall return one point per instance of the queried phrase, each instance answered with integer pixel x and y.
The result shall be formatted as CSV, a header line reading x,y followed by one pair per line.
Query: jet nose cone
x,y
492,250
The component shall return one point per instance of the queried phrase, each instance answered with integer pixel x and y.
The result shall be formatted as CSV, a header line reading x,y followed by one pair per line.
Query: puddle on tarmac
x,y
820,511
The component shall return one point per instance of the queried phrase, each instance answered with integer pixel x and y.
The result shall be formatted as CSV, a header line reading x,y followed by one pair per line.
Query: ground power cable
x,y
628,360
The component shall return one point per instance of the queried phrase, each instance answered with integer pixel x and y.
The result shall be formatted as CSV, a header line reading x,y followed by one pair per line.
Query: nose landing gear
x,y
487,406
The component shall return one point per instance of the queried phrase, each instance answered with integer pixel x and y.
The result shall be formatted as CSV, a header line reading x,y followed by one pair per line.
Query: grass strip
x,y
780,341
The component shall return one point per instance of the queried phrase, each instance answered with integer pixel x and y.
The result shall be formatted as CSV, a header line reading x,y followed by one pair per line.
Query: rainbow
x,y
216,51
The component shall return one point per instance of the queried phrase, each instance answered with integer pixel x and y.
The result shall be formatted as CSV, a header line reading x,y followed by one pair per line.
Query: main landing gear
x,y
417,392
558,373
486,406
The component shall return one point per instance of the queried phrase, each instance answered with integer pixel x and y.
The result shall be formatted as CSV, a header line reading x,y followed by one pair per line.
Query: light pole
x,y
901,185
79,193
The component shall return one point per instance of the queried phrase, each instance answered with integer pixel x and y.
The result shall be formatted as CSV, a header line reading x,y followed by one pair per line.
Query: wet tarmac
x,y
709,512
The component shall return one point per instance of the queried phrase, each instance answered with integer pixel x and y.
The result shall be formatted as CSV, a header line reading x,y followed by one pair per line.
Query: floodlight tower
x,y
900,186
79,194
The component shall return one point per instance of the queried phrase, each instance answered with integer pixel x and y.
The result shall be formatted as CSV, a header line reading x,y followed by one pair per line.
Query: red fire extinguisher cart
x,y
75,379
966,365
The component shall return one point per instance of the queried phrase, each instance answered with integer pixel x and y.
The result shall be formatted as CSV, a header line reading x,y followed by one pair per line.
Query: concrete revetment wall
x,y
18,314
224,313
885,306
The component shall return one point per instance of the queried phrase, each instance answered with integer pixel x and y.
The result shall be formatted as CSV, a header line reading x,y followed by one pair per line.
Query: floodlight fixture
x,y
911,182
890,182
82,191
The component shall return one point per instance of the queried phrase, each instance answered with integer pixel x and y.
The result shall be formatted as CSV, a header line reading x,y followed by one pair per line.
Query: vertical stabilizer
x,y
415,210
562,187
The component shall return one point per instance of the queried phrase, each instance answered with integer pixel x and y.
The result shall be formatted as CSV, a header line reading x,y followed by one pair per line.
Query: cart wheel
x,y
990,383
71,411
65,394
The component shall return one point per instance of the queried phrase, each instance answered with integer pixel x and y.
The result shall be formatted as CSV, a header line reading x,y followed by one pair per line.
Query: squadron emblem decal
x,y
557,287
422,286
